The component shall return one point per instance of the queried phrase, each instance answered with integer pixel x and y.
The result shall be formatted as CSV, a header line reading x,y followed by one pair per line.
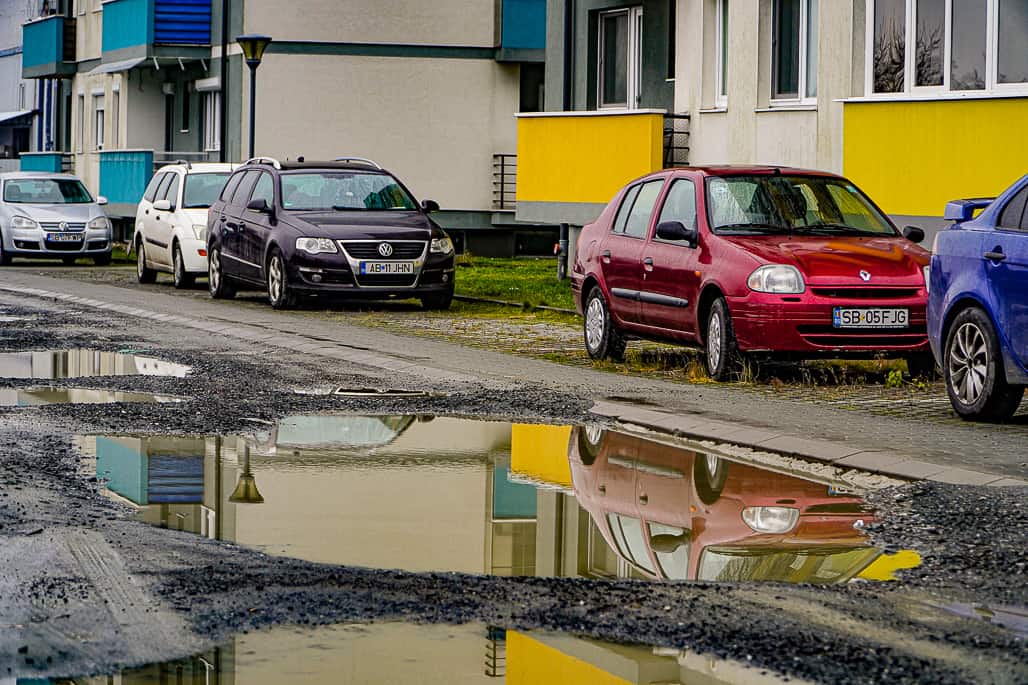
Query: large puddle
x,y
53,364
444,494
405,653
34,397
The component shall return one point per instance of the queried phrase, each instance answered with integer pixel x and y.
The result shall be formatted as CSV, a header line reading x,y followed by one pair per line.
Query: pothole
x,y
81,363
368,392
31,397
488,497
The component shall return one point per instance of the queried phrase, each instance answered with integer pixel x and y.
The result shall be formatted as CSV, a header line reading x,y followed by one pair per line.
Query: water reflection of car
x,y
682,515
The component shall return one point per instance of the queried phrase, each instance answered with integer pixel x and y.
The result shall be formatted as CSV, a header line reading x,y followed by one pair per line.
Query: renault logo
x,y
63,226
385,249
865,275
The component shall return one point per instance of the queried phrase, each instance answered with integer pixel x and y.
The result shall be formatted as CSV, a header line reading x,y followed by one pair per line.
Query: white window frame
x,y
804,40
720,54
633,77
99,121
80,144
21,96
116,117
211,113
992,87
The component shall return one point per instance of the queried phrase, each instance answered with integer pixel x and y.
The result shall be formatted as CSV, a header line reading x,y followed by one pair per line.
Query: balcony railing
x,y
132,27
505,176
49,162
676,140
48,47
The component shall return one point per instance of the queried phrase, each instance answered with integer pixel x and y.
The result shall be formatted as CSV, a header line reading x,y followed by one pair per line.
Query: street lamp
x,y
253,45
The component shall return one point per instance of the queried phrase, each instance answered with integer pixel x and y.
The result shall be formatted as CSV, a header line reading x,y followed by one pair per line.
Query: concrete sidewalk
x,y
957,452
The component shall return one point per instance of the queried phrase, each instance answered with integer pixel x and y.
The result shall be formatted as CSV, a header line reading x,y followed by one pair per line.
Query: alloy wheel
x,y
214,271
714,341
595,318
275,279
968,362
140,262
179,269
712,464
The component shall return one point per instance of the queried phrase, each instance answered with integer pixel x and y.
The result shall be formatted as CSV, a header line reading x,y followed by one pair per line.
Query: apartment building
x,y
18,96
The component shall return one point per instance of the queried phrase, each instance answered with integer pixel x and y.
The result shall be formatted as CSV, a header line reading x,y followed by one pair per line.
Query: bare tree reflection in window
x,y
929,51
889,57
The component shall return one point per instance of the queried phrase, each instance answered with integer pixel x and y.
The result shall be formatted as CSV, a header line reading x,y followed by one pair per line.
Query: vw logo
x,y
385,249
865,275
63,226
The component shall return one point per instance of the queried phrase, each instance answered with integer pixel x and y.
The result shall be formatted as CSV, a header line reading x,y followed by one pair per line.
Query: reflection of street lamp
x,y
253,46
246,488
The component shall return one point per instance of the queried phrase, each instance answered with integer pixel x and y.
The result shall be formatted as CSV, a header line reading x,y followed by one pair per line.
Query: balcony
x,y
123,178
47,162
49,47
155,28
522,31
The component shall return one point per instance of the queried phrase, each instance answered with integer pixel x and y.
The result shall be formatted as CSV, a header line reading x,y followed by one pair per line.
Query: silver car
x,y
51,216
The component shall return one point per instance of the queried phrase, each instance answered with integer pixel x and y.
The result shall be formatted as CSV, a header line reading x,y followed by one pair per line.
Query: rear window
x,y
46,191
343,190
203,189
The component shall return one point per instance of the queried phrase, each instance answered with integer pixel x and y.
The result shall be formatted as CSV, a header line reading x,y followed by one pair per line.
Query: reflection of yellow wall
x,y
541,453
585,158
885,566
914,157
529,662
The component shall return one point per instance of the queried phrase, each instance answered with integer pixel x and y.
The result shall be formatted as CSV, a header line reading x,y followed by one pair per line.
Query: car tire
x,y
218,284
144,274
68,261
590,438
922,366
438,301
722,354
102,260
710,473
973,366
5,259
603,340
182,278
280,295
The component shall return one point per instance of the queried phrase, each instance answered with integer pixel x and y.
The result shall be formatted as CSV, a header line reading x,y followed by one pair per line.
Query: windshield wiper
x,y
830,228
753,227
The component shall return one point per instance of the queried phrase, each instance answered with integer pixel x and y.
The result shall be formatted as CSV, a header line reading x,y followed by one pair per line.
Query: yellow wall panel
x,y
541,453
586,158
914,157
530,662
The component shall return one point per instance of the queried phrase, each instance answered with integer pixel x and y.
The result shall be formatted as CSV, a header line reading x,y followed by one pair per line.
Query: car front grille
x,y
368,249
387,280
876,293
74,246
880,338
56,226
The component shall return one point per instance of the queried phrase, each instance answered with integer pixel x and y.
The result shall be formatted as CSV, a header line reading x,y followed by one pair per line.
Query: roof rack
x,y
184,162
362,160
263,160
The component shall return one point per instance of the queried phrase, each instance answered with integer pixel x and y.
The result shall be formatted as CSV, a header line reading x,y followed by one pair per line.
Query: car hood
x,y
51,212
351,225
840,259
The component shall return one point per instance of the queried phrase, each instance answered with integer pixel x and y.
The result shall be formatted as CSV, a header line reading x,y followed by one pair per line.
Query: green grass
x,y
530,281
119,255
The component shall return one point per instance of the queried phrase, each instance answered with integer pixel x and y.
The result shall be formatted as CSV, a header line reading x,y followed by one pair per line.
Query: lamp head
x,y
246,491
253,45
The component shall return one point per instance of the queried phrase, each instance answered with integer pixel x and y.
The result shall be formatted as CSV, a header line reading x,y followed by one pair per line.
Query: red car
x,y
752,260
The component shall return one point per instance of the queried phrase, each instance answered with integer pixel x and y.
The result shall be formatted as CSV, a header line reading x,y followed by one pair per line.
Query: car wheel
x,y
590,437
144,274
5,259
723,356
183,279
975,381
710,473
438,301
603,340
279,293
102,260
922,366
220,287
68,261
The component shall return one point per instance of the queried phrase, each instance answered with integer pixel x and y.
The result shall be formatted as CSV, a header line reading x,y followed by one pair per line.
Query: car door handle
x,y
605,256
222,219
995,256
648,264
644,499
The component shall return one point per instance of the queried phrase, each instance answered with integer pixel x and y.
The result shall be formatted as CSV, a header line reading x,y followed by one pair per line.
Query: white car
x,y
171,221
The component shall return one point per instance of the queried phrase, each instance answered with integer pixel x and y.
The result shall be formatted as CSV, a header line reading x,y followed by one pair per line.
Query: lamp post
x,y
253,45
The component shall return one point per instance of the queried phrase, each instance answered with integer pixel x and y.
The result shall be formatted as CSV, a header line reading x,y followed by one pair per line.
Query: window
x,y
629,535
1014,214
202,190
642,209
80,144
264,190
959,46
626,206
46,191
171,192
794,50
230,187
620,58
151,189
21,96
185,108
342,190
212,121
721,54
671,21
162,189
98,122
680,204
115,119
671,547
244,188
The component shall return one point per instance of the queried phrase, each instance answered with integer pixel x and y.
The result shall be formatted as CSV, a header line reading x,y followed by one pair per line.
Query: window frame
x,y
803,39
633,57
992,89
663,204
271,180
1021,194
211,106
99,121
660,181
721,54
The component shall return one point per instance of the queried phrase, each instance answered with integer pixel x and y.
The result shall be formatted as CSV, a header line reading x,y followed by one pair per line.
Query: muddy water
x,y
428,654
52,364
441,494
31,397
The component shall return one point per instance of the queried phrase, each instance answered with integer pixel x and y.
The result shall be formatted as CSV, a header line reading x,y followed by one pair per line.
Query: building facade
x,y
429,91
18,96
917,101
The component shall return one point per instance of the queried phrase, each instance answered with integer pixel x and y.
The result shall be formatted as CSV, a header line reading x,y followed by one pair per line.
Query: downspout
x,y
569,46
223,123
39,115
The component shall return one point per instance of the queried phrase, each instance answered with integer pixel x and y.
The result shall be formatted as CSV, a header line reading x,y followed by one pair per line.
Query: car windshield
x,y
822,565
343,190
203,189
46,191
790,204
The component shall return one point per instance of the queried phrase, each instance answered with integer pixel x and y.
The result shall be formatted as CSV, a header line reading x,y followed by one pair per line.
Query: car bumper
x,y
802,324
331,274
32,242
194,256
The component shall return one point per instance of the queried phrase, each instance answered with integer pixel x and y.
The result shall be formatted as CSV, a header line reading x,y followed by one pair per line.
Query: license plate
x,y
387,268
64,237
846,317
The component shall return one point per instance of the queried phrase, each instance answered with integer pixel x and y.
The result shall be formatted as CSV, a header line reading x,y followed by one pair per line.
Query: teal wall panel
x,y
123,467
512,500
42,42
124,174
127,24
49,162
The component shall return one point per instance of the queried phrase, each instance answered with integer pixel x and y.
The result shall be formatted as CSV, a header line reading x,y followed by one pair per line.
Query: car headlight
x,y
23,222
771,519
780,279
926,271
200,231
316,245
441,245
100,223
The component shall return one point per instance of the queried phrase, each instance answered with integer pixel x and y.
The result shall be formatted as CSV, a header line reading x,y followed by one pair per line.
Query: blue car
x,y
978,304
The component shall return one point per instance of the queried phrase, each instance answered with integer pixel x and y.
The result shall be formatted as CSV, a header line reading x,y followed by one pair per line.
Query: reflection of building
x,y
80,363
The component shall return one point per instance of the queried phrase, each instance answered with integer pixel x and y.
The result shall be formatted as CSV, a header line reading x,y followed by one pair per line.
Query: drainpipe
x,y
569,47
562,252
39,115
223,124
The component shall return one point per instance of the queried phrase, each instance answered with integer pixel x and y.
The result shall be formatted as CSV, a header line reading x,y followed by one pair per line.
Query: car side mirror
x,y
162,206
259,205
913,234
101,200
430,205
677,231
